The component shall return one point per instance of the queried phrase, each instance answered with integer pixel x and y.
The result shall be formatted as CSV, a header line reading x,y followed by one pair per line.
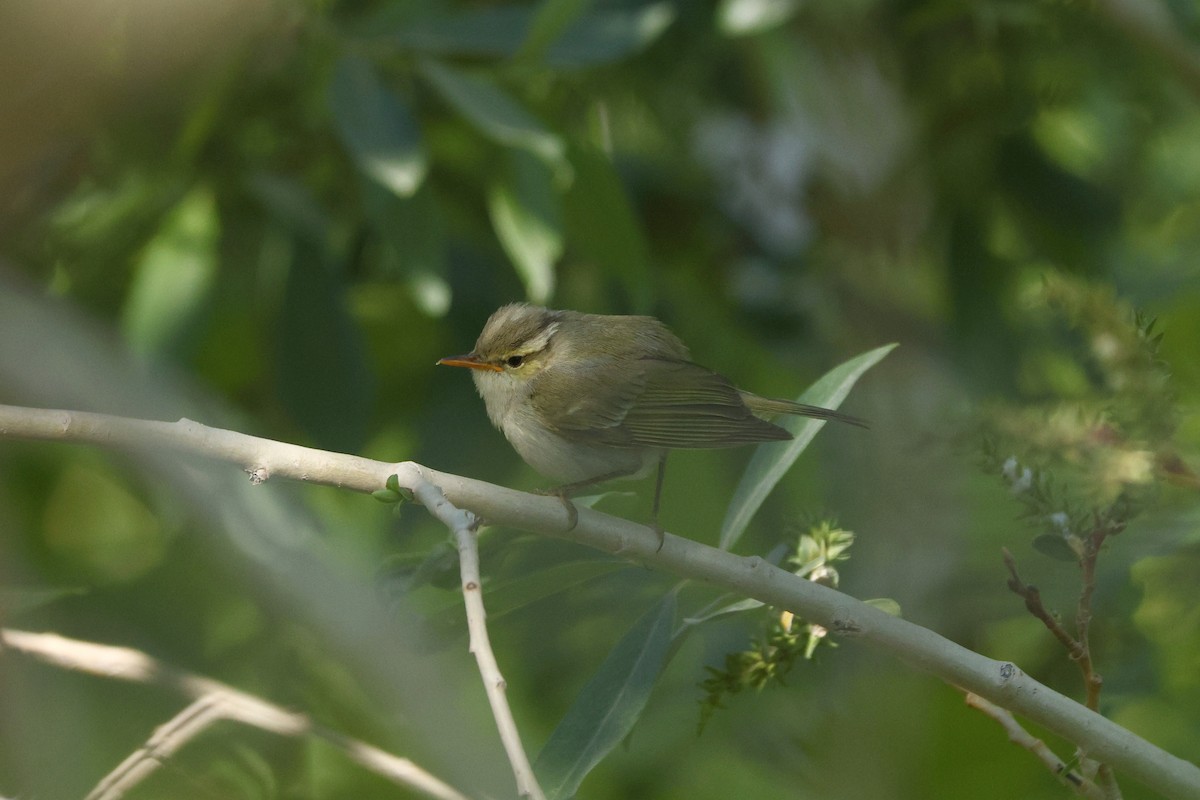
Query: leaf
x,y
505,597
547,33
174,277
745,17
291,204
772,460
607,36
602,227
527,217
323,379
376,127
483,32
549,21
16,600
737,607
493,111
887,605
609,705
414,234
1055,546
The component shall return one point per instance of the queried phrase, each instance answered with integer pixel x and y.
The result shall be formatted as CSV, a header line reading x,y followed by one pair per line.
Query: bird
x,y
589,398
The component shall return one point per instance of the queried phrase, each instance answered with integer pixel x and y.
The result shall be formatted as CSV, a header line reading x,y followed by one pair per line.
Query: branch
x,y
1023,738
999,682
213,700
168,739
463,525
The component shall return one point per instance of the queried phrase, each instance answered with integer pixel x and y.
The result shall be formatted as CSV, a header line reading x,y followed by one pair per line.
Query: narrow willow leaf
x,y
610,35
414,234
558,33
549,22
603,227
376,128
1055,546
746,17
493,111
609,705
527,216
174,278
772,460
737,607
15,600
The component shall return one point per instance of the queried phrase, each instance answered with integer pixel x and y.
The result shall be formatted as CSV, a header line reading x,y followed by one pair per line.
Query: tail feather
x,y
767,405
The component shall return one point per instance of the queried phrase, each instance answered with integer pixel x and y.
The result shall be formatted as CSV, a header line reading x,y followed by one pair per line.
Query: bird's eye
x,y
514,361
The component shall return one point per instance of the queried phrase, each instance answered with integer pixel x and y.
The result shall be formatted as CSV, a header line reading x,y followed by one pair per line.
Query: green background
x,y
275,217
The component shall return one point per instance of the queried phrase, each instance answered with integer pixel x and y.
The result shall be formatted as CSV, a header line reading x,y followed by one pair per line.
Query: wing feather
x,y
649,402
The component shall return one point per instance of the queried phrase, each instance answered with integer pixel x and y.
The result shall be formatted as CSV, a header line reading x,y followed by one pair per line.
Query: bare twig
x,y
168,739
1023,738
1033,604
1000,682
463,524
1078,646
213,700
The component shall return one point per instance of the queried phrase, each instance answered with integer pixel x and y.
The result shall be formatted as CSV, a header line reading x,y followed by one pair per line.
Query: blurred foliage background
x,y
276,216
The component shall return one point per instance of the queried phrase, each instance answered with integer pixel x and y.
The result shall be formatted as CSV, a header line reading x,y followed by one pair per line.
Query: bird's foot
x,y
572,511
660,533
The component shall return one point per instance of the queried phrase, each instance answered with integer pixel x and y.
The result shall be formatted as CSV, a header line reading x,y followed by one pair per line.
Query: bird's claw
x,y
572,511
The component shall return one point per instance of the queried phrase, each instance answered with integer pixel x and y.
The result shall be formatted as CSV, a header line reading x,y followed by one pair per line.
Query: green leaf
x,y
745,17
505,597
414,236
527,216
547,33
174,278
602,227
887,605
386,496
607,36
493,111
323,379
293,206
609,704
483,32
772,460
549,21
15,600
748,604
1055,546
376,127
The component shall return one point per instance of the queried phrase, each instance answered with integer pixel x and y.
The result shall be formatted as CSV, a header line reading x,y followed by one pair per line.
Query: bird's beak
x,y
470,360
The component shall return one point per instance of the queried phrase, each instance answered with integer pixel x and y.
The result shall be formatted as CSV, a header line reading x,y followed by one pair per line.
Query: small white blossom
x,y
1009,470
1060,520
1023,483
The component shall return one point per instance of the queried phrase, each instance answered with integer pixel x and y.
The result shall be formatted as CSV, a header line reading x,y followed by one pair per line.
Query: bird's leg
x,y
564,492
658,484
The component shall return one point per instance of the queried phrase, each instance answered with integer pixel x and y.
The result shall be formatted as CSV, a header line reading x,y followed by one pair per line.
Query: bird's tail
x,y
767,405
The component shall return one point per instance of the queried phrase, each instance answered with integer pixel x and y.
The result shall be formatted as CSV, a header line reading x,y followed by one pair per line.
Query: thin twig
x,y
1078,646
1083,615
1000,682
463,525
168,739
1033,604
1023,738
213,697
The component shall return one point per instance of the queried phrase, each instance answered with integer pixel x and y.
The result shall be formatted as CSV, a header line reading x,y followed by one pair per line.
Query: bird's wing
x,y
650,402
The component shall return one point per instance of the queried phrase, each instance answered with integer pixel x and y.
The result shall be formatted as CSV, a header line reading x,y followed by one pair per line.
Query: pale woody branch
x,y
999,682
213,701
